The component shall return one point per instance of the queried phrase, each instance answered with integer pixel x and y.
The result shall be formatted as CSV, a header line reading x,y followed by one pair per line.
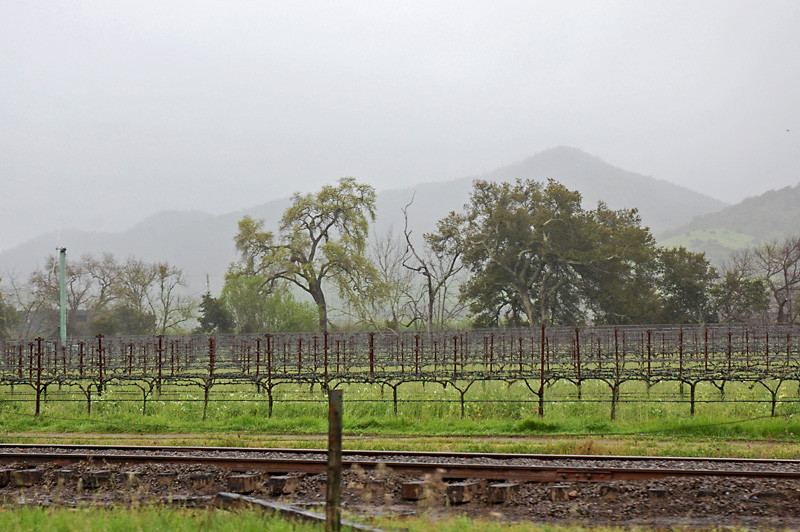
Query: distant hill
x,y
662,204
770,216
202,244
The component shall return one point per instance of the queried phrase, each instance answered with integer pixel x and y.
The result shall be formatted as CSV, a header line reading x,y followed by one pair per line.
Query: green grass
x,y
465,524
495,421
239,416
151,519
155,519
729,239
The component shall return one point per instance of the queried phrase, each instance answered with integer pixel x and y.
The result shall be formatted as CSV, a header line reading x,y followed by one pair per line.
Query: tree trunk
x,y
527,304
781,312
322,307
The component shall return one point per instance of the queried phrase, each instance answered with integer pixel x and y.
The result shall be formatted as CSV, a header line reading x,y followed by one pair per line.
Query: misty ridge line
x,y
202,243
564,164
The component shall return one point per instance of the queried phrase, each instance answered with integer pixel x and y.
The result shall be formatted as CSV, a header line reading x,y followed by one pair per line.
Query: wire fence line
x,y
536,357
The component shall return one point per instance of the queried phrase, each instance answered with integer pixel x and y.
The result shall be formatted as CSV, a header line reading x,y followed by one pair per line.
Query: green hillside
x,y
770,216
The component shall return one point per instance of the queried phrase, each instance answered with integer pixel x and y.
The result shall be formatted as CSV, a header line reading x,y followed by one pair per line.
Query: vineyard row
x,y
538,357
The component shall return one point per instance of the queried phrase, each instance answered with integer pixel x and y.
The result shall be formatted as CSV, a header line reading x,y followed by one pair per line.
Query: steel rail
x,y
524,473
414,454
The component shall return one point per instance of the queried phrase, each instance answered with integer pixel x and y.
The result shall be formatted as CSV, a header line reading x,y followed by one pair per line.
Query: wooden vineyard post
x,y
130,359
208,381
19,365
730,352
705,348
299,357
269,360
371,354
455,356
99,364
578,359
258,357
766,349
747,349
541,375
334,482
491,353
416,354
269,373
649,357
680,357
325,360
38,375
160,361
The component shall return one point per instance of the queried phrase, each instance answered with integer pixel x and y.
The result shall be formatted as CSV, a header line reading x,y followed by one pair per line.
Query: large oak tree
x,y
537,256
322,237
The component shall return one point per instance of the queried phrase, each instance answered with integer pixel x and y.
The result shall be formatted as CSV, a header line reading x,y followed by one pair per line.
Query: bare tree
x,y
105,273
403,297
779,264
741,294
386,300
439,262
34,316
171,308
154,288
44,285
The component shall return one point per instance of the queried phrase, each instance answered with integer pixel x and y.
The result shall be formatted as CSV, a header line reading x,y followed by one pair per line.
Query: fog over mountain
x,y
114,111
202,244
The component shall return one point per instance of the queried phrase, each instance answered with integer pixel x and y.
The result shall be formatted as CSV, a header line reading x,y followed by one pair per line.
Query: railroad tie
x,y
562,493
95,479
283,484
416,490
245,483
501,493
463,492
25,478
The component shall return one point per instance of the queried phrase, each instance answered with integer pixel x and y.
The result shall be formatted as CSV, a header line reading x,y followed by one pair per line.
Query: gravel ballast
x,y
700,502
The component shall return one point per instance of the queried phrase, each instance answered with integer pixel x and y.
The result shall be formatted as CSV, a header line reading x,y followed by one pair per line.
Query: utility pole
x,y
63,293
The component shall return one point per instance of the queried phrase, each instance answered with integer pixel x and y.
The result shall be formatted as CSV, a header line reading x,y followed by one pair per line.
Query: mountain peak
x,y
203,244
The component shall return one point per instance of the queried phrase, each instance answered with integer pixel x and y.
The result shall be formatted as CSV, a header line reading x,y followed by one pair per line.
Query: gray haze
x,y
112,111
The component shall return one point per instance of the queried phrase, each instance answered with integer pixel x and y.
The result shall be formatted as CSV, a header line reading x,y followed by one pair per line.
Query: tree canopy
x,y
255,309
322,237
535,255
214,315
103,297
519,253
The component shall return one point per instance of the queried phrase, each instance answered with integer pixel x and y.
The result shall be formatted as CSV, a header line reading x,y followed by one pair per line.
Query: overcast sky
x,y
111,111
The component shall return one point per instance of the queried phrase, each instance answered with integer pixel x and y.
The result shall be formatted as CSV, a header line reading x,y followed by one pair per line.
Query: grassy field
x,y
142,519
729,239
497,417
155,519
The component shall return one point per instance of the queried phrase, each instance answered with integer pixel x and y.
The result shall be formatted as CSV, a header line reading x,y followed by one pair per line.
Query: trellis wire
x,y
536,357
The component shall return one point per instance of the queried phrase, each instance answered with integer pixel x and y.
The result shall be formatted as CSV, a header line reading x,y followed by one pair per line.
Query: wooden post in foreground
x,y
333,515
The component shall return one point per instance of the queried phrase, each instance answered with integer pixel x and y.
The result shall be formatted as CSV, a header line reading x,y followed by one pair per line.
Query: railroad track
x,y
617,490
451,466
